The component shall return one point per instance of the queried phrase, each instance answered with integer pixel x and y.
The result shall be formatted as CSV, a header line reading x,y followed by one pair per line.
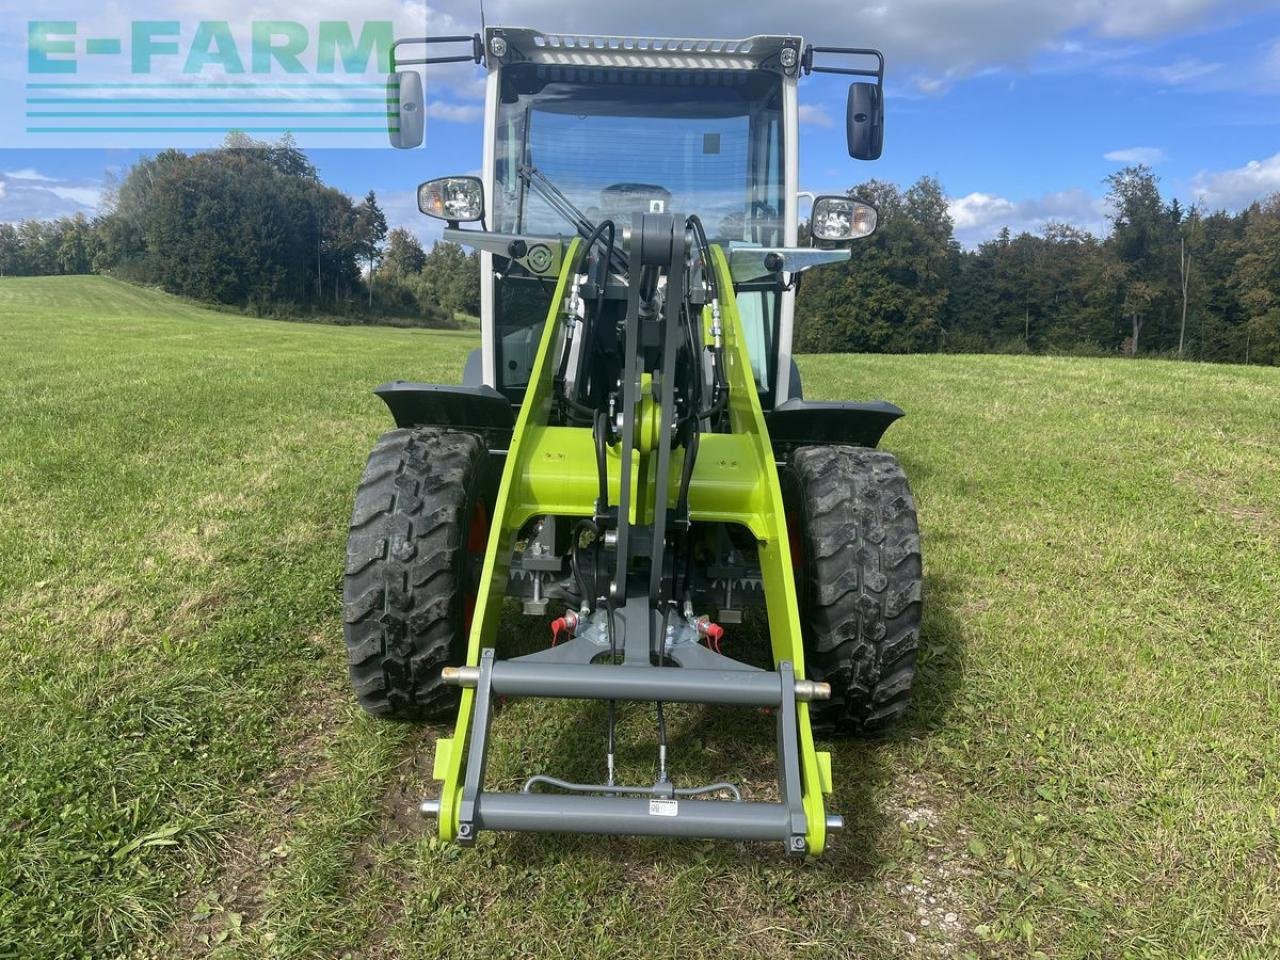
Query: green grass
x,y
1092,767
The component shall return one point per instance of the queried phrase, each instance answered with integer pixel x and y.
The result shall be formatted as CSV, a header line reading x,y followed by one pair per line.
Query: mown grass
x,y
1090,769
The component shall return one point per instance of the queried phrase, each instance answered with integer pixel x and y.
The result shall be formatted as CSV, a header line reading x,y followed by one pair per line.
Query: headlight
x,y
837,219
456,199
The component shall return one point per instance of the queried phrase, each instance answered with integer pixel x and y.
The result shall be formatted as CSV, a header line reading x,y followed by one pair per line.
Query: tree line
x,y
1168,280
251,225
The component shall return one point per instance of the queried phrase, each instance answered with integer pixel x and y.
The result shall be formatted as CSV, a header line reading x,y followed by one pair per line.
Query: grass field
x,y
1092,767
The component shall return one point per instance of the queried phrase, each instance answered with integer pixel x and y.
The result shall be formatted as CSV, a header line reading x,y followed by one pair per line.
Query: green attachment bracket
x,y
552,470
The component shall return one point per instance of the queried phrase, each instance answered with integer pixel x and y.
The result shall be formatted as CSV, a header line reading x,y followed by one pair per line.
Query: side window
x,y
520,310
758,310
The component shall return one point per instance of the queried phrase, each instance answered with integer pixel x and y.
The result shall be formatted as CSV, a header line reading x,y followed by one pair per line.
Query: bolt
x,y
498,47
835,821
812,690
461,676
429,808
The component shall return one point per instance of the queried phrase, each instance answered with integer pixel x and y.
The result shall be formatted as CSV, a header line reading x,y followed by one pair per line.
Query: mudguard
x,y
477,408
798,422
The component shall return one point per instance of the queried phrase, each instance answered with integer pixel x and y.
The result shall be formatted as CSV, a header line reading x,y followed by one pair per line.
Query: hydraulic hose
x,y
720,385
600,433
596,235
584,524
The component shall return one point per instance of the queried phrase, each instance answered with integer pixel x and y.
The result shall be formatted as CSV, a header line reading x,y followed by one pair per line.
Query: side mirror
x,y
405,114
837,219
864,121
454,199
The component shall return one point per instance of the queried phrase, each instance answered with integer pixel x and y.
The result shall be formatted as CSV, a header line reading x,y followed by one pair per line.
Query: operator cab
x,y
584,130
684,141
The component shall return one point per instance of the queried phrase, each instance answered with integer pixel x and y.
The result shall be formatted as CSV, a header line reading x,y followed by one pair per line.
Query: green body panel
x,y
552,471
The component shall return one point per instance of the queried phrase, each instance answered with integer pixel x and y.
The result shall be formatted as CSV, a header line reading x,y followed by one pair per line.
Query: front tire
x,y
414,555
859,578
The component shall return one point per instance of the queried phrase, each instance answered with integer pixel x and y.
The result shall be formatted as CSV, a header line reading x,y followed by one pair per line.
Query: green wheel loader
x,y
630,455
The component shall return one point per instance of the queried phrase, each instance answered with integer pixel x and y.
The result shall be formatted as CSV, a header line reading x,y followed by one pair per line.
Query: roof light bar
x,y
561,49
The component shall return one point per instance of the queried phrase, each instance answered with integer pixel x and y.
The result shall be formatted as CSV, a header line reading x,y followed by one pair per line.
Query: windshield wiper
x,y
534,178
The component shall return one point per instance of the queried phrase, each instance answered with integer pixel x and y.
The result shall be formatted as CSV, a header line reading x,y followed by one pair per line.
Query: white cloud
x,y
980,216
931,86
454,112
1147,18
27,173
1271,60
815,115
1233,189
1147,155
948,38
44,198
1181,72
979,210
85,196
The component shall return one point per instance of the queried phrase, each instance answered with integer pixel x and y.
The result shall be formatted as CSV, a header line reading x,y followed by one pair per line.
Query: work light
x,y
837,219
456,199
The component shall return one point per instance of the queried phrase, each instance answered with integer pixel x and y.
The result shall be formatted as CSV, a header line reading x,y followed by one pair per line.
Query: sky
x,y
1021,108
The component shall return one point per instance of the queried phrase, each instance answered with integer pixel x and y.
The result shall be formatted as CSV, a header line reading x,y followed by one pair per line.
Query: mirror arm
x,y
476,55
807,64
752,263
541,255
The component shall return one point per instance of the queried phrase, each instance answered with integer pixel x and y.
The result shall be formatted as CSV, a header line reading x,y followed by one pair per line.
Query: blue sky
x,y
1021,109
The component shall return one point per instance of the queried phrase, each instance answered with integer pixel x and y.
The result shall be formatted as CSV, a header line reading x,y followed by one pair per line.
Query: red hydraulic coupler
x,y
567,624
712,631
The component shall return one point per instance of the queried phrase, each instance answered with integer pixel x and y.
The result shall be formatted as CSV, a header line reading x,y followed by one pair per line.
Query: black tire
x,y
413,568
859,578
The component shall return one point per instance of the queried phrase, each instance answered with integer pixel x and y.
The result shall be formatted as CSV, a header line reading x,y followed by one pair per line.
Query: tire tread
x,y
403,585
862,589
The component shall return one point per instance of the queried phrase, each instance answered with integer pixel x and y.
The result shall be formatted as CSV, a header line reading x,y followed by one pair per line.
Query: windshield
x,y
618,142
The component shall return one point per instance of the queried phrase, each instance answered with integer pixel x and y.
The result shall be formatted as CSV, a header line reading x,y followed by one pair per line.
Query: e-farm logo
x,y
176,83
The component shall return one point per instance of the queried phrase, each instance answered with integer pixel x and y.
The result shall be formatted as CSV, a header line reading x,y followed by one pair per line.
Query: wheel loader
x,y
630,458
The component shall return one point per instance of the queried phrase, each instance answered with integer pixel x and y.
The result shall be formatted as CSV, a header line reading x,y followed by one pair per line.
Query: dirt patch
x,y
1220,494
196,609
191,545
216,910
936,920
398,817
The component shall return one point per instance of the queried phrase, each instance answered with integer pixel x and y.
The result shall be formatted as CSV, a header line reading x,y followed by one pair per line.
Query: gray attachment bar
x,y
580,650
570,680
695,656
666,810
789,764
616,682
618,816
477,753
